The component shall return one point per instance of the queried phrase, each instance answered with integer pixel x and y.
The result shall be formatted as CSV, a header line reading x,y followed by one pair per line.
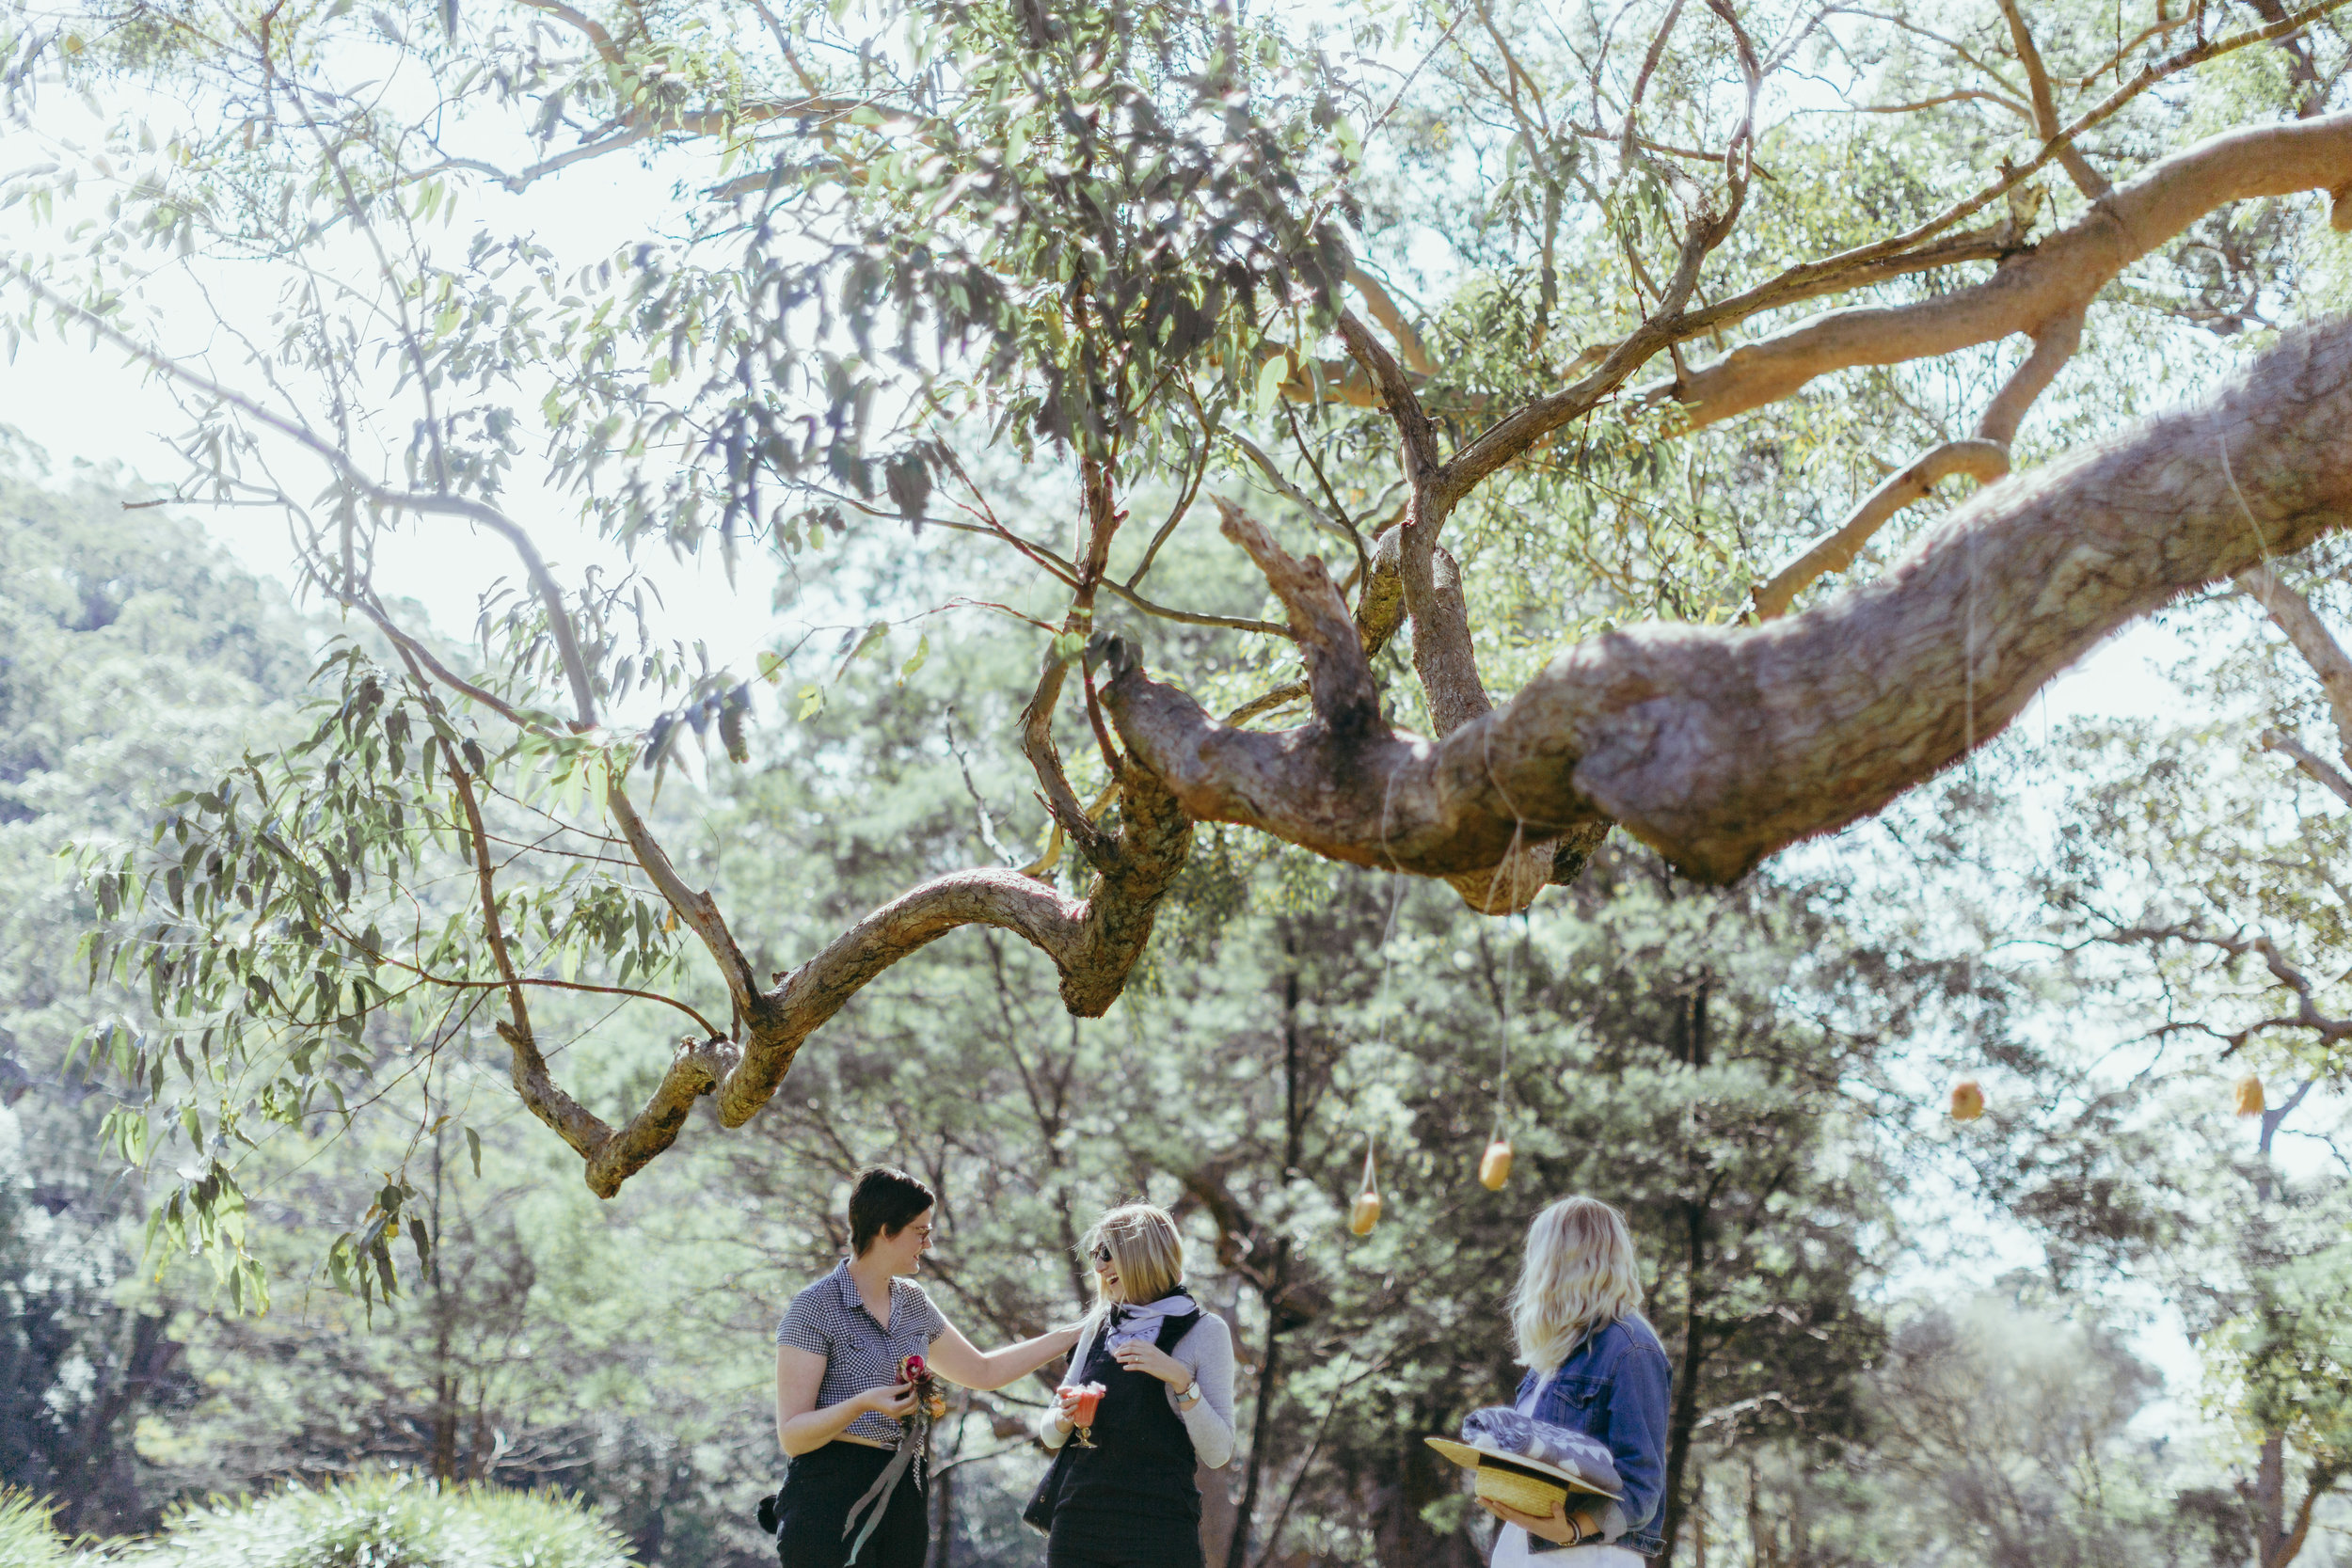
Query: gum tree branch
x,y
1094,941
2059,277
441,503
2285,974
1037,718
1383,310
2315,766
1719,746
2087,179
1983,458
1982,461
2294,616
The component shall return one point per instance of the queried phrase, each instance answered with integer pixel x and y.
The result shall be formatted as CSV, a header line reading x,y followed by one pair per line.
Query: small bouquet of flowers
x,y
913,1443
930,1402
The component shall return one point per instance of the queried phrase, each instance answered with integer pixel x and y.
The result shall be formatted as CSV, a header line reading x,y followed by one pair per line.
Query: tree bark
x,y
2059,276
1683,1419
1717,746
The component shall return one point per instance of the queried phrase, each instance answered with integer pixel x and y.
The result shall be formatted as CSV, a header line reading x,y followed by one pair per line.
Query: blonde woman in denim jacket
x,y
1594,1366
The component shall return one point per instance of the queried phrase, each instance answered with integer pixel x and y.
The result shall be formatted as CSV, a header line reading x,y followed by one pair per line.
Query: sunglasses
x,y
1101,1256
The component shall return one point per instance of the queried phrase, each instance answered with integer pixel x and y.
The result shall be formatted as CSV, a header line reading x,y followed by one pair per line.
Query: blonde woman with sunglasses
x,y
1122,1495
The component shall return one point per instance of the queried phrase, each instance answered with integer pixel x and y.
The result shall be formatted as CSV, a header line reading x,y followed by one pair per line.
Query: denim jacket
x,y
1614,1387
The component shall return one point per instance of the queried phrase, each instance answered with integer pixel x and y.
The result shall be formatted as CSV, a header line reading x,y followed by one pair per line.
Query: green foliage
x,y
2001,1430
27,1540
133,655
385,1521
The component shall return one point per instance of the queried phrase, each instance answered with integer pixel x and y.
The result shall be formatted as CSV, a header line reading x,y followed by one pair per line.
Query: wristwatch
x,y
1191,1396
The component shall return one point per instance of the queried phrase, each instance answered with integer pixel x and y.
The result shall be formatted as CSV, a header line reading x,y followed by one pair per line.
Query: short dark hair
x,y
885,1201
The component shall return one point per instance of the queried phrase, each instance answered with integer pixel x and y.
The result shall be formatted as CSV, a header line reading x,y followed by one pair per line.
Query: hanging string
x,y
1365,1211
1967,1094
1494,1167
1502,1065
2246,1096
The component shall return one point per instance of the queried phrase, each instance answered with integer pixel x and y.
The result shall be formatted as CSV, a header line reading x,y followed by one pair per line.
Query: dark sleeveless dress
x,y
1130,1501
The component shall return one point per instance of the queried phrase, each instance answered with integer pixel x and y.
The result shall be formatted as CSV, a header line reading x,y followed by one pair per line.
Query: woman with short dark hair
x,y
840,1400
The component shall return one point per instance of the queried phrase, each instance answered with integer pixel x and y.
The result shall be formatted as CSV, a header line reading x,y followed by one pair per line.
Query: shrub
x,y
26,1538
384,1521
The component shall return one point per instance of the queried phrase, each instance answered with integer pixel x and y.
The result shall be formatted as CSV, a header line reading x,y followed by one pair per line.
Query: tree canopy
x,y
1508,309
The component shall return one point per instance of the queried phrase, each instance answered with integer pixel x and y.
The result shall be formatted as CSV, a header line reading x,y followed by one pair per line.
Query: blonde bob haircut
x,y
1144,1249
1580,1276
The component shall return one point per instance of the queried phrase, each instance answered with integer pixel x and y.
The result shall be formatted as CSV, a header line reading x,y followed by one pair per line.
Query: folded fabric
x,y
1586,1461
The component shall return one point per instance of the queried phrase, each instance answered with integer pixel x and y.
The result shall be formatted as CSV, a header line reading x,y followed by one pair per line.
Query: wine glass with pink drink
x,y
1082,1410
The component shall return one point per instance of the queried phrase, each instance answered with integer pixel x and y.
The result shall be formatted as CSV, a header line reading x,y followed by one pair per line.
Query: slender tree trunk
x,y
1698,1520
1261,1437
942,1554
1763,1538
1217,1514
447,1387
1276,1276
444,1427
1684,1418
1692,1046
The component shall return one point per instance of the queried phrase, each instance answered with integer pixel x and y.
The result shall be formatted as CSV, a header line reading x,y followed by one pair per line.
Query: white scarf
x,y
1128,1324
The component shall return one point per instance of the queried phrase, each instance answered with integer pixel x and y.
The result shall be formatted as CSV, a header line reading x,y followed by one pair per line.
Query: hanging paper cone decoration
x,y
2247,1097
1494,1169
1967,1100
1366,1212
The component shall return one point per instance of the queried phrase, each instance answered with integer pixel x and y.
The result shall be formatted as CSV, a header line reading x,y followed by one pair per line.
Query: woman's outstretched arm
x,y
953,1357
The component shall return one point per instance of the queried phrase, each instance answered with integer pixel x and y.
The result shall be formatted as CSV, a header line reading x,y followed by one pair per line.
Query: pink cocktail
x,y
1082,1411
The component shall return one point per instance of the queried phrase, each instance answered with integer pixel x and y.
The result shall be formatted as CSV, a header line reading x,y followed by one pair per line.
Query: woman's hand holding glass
x,y
1074,1409
1066,1400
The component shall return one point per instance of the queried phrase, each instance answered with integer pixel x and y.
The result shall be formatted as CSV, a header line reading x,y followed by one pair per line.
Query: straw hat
x,y
1514,1479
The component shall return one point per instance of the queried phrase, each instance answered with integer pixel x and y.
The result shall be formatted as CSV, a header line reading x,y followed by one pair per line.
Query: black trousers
x,y
1085,1538
817,1493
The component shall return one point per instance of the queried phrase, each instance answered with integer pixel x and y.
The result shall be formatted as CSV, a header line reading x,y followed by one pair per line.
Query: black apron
x,y
1142,1462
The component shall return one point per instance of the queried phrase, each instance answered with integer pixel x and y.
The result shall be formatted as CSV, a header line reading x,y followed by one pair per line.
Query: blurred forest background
x,y
1898,1339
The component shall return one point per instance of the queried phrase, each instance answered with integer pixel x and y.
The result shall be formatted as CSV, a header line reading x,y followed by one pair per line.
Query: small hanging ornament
x,y
2247,1098
1366,1212
1494,1167
1967,1100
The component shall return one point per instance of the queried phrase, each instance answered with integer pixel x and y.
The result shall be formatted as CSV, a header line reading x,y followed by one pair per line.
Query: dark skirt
x,y
1088,1538
815,1503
